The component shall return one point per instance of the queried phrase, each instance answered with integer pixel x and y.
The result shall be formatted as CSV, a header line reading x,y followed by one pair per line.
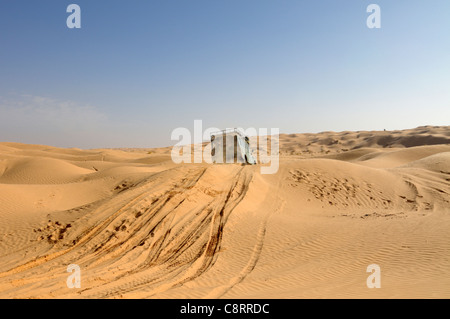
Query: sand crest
x,y
140,226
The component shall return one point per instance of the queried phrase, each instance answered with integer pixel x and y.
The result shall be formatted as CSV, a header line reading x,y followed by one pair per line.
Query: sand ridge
x,y
140,226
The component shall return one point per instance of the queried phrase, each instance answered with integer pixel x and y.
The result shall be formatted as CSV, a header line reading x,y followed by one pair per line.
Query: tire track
x,y
91,243
256,253
177,270
151,242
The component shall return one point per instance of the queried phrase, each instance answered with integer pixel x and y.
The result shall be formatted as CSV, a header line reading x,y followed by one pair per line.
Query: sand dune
x,y
35,170
140,226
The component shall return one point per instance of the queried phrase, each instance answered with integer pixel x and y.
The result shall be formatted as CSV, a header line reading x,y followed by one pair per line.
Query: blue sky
x,y
136,70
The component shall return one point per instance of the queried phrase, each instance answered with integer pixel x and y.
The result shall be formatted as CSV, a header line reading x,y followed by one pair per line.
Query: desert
x,y
140,226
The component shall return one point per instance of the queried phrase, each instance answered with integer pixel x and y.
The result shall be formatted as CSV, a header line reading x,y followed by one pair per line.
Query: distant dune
x,y
141,226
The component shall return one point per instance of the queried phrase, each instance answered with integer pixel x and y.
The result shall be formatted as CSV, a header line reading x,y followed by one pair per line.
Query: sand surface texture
x,y
140,226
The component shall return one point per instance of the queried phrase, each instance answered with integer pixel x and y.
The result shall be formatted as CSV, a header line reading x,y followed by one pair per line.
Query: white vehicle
x,y
231,146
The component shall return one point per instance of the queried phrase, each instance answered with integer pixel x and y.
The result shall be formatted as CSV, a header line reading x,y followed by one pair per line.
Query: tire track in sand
x,y
256,253
144,240
173,274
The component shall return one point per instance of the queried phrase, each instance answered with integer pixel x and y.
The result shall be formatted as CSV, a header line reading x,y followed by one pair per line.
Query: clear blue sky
x,y
138,69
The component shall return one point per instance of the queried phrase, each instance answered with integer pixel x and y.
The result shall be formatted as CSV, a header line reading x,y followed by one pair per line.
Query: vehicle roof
x,y
229,131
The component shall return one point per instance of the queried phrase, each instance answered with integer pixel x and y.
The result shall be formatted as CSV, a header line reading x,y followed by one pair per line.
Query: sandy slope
x,y
140,226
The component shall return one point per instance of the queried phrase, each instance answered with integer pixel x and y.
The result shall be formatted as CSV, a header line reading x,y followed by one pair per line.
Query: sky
x,y
136,70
